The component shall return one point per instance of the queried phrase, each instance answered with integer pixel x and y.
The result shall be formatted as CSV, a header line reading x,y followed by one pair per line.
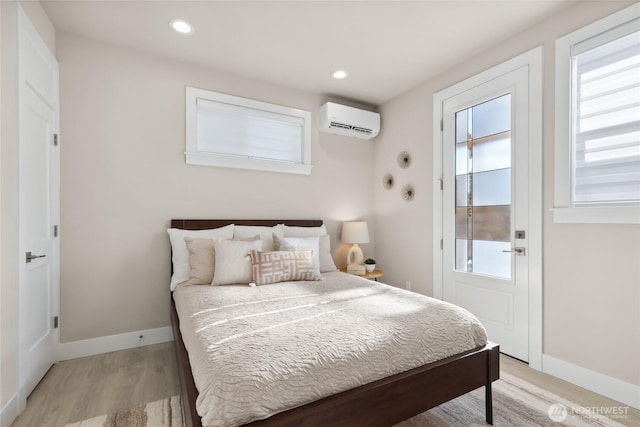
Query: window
x,y
598,121
229,131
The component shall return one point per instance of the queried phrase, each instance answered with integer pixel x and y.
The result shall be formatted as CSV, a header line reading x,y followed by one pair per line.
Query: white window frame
x,y
195,157
563,211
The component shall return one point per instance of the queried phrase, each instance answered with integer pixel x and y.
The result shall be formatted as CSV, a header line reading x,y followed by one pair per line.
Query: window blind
x,y
247,132
606,117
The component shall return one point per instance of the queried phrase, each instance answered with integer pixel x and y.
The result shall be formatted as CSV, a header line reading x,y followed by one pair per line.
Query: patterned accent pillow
x,y
301,244
281,266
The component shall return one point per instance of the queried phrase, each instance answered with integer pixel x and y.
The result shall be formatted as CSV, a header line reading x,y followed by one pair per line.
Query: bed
x,y
384,401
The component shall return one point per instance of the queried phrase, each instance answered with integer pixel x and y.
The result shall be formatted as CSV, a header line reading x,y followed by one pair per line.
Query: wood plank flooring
x,y
78,389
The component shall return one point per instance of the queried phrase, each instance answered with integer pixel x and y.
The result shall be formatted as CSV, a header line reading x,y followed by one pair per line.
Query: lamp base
x,y
356,269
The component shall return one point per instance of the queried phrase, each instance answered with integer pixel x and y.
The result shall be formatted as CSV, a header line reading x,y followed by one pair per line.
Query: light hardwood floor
x,y
83,388
78,389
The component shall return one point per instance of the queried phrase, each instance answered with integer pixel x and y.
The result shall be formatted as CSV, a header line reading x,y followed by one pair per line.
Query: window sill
x,y
208,159
597,215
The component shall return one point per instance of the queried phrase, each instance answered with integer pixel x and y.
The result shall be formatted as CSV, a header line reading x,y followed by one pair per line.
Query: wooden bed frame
x,y
381,403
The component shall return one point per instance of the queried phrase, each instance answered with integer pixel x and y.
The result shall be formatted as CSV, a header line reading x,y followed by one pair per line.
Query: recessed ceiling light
x,y
339,74
181,26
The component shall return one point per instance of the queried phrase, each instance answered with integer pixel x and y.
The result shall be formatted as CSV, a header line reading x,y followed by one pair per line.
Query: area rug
x,y
161,413
515,403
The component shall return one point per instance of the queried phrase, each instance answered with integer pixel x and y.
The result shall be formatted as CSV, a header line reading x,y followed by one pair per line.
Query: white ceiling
x,y
388,47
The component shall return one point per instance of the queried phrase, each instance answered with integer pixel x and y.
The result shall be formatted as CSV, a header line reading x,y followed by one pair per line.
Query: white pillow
x,y
265,233
326,259
180,254
233,264
304,231
303,244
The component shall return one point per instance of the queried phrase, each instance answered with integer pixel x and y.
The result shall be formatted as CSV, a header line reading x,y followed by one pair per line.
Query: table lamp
x,y
355,232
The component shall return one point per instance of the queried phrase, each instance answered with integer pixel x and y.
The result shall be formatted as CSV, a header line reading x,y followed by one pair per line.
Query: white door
x,y
485,207
38,206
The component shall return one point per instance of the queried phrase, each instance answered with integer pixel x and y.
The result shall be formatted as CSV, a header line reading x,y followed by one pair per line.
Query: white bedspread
x,y
257,351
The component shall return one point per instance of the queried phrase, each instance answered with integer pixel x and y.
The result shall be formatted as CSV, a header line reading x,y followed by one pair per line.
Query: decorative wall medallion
x,y
404,159
408,192
387,181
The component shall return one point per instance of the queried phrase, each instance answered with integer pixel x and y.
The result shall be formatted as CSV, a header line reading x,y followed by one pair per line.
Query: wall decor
x,y
408,192
404,159
387,181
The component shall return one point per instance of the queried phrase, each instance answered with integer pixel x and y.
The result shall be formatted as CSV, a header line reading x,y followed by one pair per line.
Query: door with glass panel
x,y
485,205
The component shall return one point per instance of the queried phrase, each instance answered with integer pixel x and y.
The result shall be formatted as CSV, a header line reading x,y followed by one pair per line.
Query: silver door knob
x,y
517,251
32,257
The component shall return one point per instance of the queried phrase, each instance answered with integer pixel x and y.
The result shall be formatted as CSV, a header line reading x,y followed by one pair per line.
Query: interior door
x,y
38,206
485,205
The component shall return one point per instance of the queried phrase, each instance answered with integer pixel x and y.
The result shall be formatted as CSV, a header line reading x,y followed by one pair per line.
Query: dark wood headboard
x,y
204,224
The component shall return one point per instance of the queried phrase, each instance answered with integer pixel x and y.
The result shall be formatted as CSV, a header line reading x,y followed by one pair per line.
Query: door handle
x,y
517,251
32,257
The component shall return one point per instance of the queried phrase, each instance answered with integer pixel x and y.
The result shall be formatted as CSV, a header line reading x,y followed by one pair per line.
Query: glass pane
x,y
489,259
461,223
461,190
492,117
493,152
461,254
462,159
492,188
491,223
461,126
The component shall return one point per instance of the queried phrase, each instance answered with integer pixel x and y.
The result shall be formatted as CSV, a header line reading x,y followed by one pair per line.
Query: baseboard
x,y
9,412
93,346
613,388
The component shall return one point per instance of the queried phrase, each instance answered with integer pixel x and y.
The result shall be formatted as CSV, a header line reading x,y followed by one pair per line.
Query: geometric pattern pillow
x,y
301,244
281,266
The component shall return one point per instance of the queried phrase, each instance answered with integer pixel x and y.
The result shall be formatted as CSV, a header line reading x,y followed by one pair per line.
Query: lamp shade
x,y
355,232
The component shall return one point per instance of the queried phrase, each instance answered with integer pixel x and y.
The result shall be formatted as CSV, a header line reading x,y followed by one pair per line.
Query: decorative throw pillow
x,y
201,261
281,266
180,254
301,244
233,264
249,231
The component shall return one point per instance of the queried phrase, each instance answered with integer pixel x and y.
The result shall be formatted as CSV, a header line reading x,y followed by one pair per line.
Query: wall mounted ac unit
x,y
349,121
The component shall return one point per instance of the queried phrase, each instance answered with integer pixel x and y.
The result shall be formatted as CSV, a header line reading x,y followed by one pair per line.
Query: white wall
x,y
591,272
124,176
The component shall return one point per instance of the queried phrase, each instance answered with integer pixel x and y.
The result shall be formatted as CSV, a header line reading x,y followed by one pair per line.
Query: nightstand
x,y
371,276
